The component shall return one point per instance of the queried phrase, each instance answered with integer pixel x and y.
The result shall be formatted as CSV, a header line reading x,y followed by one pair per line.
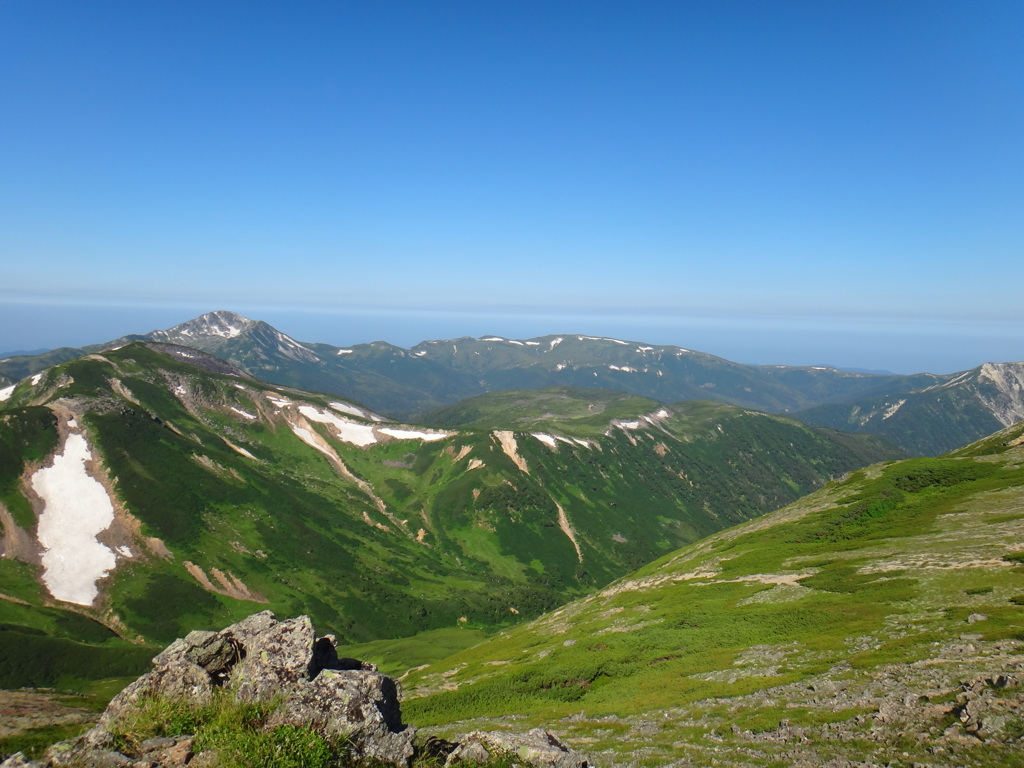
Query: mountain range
x,y
925,414
154,487
533,549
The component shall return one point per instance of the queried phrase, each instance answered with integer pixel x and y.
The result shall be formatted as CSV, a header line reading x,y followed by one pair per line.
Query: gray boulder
x,y
537,747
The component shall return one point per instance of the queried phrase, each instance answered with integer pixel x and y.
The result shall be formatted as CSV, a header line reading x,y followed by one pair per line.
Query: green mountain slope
x,y
937,418
878,621
226,495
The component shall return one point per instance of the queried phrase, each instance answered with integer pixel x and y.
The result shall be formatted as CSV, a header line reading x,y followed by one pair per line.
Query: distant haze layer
x,y
899,345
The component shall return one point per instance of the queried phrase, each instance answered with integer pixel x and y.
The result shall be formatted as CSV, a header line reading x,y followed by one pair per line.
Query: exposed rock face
x,y
283,664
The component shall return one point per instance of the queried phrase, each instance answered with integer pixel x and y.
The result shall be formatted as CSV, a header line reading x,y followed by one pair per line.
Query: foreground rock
x,y
301,682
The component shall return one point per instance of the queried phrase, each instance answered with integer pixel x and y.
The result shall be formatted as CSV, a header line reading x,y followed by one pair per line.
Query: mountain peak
x,y
217,323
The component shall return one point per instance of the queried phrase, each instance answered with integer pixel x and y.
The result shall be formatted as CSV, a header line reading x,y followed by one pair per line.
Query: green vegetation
x,y
878,572
235,731
394,657
27,436
34,741
571,411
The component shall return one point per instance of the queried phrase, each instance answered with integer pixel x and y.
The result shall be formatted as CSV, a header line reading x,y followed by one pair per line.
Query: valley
x,y
875,622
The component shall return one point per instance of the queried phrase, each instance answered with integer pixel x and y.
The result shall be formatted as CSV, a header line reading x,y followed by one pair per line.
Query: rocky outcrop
x,y
301,682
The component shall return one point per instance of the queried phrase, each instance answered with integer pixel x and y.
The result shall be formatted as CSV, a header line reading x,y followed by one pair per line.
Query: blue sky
x,y
773,182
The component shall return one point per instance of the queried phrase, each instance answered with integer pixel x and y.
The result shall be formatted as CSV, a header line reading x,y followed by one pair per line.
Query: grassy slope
x,y
833,610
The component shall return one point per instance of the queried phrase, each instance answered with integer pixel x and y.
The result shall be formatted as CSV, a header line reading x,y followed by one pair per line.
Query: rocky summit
x,y
225,698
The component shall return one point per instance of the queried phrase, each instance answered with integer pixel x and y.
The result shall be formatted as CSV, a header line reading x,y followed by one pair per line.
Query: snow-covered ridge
x,y
354,432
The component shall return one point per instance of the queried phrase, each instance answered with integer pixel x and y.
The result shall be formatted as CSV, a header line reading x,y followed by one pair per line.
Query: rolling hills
x,y
877,621
152,489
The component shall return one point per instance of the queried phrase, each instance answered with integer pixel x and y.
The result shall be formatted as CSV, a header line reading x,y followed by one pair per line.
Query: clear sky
x,y
774,182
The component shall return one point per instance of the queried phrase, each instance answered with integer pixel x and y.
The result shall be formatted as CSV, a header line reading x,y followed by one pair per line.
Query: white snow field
x,y
76,508
414,434
347,431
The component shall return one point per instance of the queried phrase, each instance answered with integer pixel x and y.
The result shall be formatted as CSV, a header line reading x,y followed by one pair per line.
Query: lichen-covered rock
x,y
360,705
304,682
276,660
537,747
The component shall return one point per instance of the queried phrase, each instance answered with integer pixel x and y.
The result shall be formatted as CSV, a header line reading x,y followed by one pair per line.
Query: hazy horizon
x,y
842,343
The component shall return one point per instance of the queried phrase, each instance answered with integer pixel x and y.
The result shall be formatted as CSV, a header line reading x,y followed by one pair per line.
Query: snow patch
x,y
548,440
892,409
5,393
624,368
280,402
76,508
413,434
345,351
346,431
36,378
645,349
353,410
561,366
246,414
555,342
603,338
125,551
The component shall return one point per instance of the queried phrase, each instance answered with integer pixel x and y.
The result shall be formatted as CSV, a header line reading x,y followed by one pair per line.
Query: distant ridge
x,y
408,383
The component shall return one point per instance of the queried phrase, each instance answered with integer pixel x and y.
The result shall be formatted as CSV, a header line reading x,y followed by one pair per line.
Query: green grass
x,y
234,731
571,411
34,741
394,657
680,643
